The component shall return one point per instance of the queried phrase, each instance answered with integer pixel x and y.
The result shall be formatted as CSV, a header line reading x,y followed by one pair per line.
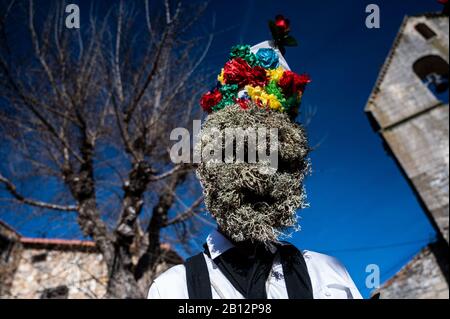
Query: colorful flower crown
x,y
258,74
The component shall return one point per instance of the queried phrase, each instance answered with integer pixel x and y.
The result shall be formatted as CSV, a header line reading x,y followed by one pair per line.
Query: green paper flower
x,y
243,51
229,90
291,102
273,88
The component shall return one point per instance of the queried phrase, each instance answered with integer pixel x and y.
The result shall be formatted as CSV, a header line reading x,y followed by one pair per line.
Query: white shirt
x,y
329,278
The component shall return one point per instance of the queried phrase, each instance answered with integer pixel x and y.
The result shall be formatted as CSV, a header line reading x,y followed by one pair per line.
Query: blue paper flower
x,y
267,58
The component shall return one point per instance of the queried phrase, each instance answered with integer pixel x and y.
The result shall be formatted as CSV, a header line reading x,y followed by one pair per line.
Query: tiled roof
x,y
70,242
57,241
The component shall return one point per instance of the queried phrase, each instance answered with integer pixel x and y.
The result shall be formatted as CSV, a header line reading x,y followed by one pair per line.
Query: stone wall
x,y
41,271
34,268
421,278
49,268
421,146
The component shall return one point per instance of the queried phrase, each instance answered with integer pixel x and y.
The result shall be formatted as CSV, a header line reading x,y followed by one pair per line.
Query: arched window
x,y
425,30
433,71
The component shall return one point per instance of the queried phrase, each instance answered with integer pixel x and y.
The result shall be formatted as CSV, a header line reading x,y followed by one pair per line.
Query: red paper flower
x,y
282,23
243,103
237,71
210,99
292,83
258,76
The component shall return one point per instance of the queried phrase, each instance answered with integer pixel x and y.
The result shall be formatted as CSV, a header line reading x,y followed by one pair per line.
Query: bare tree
x,y
91,110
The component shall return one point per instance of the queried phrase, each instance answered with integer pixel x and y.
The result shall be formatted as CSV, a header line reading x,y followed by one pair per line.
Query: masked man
x,y
254,198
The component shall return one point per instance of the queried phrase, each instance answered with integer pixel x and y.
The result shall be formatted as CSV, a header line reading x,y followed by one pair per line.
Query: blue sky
x,y
362,209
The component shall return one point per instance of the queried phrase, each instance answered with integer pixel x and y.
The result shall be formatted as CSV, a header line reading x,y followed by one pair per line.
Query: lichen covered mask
x,y
253,200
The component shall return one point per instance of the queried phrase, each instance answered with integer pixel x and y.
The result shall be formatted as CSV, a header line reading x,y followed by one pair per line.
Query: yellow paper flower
x,y
257,93
254,92
220,78
275,74
273,102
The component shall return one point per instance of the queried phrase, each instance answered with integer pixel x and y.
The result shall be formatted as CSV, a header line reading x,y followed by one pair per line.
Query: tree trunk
x,y
121,282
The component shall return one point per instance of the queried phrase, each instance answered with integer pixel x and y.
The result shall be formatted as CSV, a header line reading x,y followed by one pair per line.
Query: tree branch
x,y
186,214
129,112
175,169
13,191
116,66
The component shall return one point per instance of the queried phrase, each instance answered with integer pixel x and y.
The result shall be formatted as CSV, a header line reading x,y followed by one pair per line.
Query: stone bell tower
x,y
408,107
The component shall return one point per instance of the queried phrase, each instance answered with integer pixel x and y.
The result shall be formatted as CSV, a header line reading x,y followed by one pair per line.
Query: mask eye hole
x,y
249,196
290,166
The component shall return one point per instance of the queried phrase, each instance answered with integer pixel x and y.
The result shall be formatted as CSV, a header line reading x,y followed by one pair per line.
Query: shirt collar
x,y
218,244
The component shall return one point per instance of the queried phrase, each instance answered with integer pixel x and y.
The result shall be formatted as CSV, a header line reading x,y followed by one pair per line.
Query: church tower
x,y
408,107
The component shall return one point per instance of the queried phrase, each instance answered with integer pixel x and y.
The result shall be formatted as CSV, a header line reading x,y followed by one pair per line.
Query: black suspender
x,y
296,276
197,278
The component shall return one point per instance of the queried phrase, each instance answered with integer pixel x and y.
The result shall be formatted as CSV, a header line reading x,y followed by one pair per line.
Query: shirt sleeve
x,y
329,277
347,286
355,294
171,284
153,292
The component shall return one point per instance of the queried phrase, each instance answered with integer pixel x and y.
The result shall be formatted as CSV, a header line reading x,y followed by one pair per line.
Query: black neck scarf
x,y
247,266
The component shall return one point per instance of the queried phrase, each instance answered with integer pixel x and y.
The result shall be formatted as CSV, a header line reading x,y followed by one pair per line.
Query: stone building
x,y
408,107
54,268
